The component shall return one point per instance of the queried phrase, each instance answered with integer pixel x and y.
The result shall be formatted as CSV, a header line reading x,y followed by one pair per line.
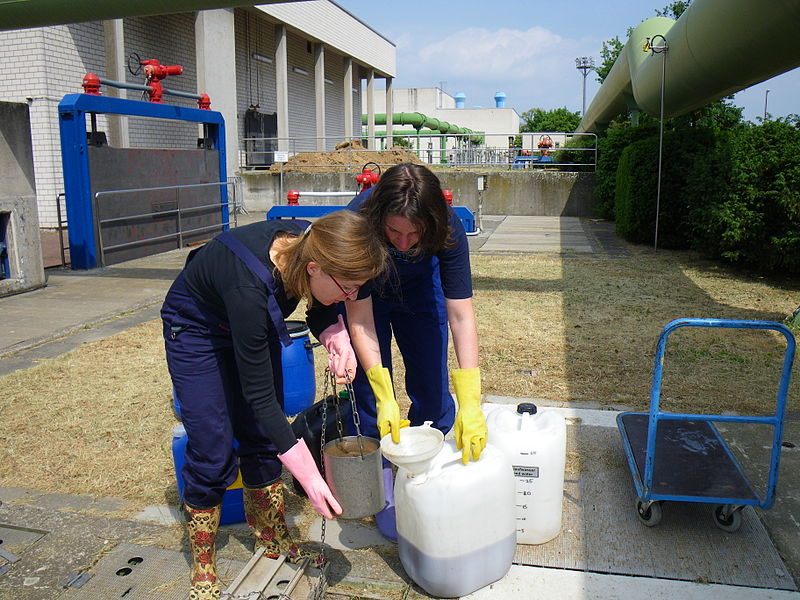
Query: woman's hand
x,y
341,356
299,462
389,420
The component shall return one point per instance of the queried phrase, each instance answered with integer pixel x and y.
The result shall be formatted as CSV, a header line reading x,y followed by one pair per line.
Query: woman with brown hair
x,y
223,329
428,289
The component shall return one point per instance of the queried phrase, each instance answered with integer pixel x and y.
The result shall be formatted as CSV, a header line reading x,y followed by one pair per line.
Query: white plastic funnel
x,y
418,445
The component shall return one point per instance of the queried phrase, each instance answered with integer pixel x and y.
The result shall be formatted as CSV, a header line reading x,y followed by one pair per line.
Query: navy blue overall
x,y
411,306
203,369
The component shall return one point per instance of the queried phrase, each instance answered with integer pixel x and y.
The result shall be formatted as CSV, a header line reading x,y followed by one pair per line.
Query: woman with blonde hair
x,y
223,328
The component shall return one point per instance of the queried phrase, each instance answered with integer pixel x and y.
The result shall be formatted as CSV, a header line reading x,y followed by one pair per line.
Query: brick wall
x,y
169,39
42,65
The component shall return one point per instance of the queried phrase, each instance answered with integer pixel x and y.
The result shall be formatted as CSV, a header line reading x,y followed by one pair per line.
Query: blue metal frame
x,y
72,112
643,487
305,211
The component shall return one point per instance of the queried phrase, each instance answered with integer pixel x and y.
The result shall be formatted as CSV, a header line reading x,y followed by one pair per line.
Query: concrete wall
x,y
18,213
535,193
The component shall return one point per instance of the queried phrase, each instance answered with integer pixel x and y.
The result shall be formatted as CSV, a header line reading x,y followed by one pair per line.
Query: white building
x,y
303,62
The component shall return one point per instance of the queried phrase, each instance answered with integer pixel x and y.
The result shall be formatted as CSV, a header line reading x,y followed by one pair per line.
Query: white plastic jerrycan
x,y
535,442
455,522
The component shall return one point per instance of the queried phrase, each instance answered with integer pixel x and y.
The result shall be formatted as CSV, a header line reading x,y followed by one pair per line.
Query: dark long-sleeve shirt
x,y
220,281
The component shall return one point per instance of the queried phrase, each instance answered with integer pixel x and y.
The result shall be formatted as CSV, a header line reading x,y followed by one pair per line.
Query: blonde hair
x,y
341,243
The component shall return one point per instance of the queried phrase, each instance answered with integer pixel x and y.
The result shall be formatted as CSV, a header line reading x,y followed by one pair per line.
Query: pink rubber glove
x,y
301,464
341,357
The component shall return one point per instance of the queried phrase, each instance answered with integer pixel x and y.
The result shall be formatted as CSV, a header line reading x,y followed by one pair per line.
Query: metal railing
x,y
569,151
62,226
233,205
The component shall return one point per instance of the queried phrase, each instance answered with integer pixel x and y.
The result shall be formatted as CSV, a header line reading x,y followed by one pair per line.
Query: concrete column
x,y
116,68
389,113
216,73
347,82
319,94
371,110
282,85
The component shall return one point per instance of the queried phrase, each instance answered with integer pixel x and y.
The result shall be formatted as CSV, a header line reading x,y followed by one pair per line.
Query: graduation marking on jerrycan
x,y
535,442
455,522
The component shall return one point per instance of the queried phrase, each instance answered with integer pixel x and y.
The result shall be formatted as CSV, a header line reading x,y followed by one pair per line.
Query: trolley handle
x,y
776,420
658,360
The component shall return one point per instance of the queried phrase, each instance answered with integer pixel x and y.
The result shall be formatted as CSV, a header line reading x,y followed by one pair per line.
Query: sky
x,y
526,49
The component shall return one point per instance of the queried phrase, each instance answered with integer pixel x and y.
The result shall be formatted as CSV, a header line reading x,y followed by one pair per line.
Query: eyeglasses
x,y
347,293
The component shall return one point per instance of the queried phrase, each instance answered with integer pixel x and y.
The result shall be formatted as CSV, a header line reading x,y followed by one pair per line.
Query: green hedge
x,y
756,220
636,187
731,193
609,150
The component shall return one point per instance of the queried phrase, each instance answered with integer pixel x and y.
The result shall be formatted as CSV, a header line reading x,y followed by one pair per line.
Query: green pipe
x,y
418,121
401,133
716,48
19,14
474,137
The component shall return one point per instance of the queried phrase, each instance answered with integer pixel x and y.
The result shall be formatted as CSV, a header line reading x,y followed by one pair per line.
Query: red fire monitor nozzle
x,y
367,178
155,72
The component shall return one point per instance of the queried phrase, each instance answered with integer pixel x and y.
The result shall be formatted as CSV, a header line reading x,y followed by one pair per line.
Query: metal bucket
x,y
353,470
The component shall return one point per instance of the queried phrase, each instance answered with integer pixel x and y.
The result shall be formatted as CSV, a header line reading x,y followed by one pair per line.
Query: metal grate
x,y
137,572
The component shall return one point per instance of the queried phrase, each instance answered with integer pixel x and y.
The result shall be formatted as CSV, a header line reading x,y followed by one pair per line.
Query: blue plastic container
x,y
232,500
299,385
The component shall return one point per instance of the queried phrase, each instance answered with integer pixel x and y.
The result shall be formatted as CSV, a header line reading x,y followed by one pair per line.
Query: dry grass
x,y
562,328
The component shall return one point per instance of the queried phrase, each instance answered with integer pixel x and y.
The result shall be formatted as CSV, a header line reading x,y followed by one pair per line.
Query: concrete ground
x,y
47,540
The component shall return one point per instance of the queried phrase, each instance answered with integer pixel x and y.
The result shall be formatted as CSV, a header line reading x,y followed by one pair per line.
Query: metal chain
x,y
336,404
328,379
356,418
321,585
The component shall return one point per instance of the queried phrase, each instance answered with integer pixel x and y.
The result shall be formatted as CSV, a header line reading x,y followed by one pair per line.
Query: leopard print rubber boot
x,y
202,525
265,511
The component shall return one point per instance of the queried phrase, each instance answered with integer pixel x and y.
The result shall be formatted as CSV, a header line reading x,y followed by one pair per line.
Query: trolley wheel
x,y
730,523
651,515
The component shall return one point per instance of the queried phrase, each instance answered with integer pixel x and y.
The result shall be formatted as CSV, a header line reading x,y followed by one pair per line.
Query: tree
x,y
609,53
674,9
559,119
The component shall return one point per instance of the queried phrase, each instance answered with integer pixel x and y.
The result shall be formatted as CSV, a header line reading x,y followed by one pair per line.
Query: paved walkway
x,y
76,307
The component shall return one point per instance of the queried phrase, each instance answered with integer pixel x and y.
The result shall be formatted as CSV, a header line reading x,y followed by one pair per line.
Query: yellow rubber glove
x,y
470,427
388,411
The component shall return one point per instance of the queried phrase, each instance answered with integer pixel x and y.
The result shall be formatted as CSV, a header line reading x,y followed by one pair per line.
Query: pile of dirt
x,y
351,157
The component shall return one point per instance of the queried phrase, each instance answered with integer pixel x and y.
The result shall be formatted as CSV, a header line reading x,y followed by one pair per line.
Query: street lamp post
x,y
658,45
584,64
766,96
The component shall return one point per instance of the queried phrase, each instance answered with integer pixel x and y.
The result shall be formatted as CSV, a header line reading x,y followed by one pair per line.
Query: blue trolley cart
x,y
694,462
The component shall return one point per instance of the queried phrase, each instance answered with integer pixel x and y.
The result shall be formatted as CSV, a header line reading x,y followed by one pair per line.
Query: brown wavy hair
x,y
342,243
412,191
